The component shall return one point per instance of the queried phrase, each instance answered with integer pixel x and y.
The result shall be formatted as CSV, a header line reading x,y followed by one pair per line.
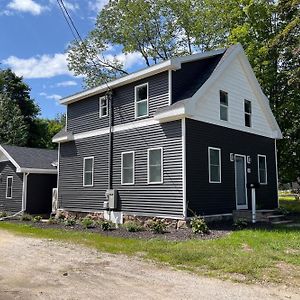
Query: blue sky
x,y
34,38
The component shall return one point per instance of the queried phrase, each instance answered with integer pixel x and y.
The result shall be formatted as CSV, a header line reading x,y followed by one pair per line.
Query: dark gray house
x,y
27,177
184,135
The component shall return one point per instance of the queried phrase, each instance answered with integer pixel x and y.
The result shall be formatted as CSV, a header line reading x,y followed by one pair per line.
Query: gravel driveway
x,y
44,269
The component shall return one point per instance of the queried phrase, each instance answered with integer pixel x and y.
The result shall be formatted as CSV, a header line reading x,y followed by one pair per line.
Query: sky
x,y
33,41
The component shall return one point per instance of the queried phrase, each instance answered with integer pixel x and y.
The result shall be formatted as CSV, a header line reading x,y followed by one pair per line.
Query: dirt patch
x,y
45,269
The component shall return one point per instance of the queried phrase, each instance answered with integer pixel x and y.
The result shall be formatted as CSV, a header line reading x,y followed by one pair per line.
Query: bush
x,y
52,220
37,219
3,214
132,226
26,217
87,222
199,225
282,210
157,226
106,225
240,224
70,221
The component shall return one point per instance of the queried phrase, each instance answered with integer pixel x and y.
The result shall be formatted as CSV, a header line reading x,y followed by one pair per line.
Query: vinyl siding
x,y
212,198
84,115
14,204
140,199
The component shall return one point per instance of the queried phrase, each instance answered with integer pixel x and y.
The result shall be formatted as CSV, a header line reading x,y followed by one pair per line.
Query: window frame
x,y
133,167
222,105
144,100
161,165
266,169
93,160
103,106
248,113
220,165
11,192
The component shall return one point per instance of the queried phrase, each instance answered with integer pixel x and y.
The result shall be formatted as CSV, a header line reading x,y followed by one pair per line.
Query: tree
x,y
13,128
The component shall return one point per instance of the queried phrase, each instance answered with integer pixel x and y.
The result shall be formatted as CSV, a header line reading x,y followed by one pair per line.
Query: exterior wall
x,y
217,198
39,193
83,115
141,198
14,204
234,81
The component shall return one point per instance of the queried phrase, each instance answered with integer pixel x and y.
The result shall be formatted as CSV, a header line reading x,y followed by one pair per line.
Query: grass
x,y
290,203
250,255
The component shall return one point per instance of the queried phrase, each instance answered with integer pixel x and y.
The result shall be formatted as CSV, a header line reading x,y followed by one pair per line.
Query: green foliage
x,y
71,221
88,222
106,225
240,224
26,217
157,226
133,226
3,214
52,221
199,225
37,219
289,204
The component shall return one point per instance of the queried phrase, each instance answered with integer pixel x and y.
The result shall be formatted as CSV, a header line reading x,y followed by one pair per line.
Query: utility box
x,y
112,197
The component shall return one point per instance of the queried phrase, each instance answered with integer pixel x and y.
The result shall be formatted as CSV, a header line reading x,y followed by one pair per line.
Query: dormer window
x,y
248,112
141,100
223,106
103,107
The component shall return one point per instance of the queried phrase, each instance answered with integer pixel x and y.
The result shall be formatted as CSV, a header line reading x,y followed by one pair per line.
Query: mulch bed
x,y
217,230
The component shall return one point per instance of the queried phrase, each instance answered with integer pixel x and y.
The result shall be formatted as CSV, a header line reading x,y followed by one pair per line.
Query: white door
x,y
240,182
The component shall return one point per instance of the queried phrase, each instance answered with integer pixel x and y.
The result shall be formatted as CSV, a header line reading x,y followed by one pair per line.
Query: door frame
x,y
245,206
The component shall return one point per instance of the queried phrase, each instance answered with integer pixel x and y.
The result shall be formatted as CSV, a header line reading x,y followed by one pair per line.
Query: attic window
x,y
248,112
223,106
103,107
141,100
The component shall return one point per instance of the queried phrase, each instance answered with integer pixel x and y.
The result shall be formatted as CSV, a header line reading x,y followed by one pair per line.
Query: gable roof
x,y
31,160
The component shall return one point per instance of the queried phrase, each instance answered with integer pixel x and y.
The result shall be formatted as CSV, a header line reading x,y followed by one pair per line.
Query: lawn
x,y
255,255
291,203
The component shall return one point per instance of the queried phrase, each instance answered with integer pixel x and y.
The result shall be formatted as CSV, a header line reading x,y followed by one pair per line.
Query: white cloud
x,y
44,66
97,5
66,83
54,97
28,6
129,60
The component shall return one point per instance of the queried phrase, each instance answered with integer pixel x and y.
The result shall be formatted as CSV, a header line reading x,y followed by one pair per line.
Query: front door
x,y
240,182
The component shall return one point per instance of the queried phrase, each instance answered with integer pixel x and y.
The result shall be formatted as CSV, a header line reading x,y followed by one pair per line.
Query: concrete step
x,y
282,222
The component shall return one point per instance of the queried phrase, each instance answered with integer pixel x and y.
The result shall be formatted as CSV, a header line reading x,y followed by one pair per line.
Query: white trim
x,y
266,169
245,206
58,166
161,164
133,168
12,183
170,86
9,157
36,171
184,204
105,106
276,166
24,191
220,165
141,101
248,113
83,177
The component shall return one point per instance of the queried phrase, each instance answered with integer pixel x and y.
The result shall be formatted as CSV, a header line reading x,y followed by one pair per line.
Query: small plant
x,y
282,210
37,219
52,221
157,226
26,218
132,226
70,221
240,224
106,225
87,222
199,225
3,214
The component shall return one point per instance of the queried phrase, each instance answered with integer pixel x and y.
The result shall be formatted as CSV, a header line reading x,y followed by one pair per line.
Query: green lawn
x,y
248,255
290,203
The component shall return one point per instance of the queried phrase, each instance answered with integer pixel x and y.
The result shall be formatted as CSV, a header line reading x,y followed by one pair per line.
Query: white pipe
x,y
12,216
253,205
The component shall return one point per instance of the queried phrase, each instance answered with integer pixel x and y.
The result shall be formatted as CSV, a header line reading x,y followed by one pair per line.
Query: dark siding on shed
x,y
210,198
141,198
84,115
14,204
39,193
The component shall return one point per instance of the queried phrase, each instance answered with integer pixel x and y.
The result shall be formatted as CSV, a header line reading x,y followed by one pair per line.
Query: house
x,y
181,137
27,177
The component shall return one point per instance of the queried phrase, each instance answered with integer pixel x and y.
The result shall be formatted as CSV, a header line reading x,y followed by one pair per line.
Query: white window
x,y
248,112
223,106
9,186
214,165
103,106
88,171
127,168
155,165
141,100
262,169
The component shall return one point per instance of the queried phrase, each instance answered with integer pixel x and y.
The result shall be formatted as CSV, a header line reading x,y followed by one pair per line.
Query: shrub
x,y
282,210
106,225
26,217
240,224
199,225
52,220
70,221
132,226
3,214
157,226
37,219
87,222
